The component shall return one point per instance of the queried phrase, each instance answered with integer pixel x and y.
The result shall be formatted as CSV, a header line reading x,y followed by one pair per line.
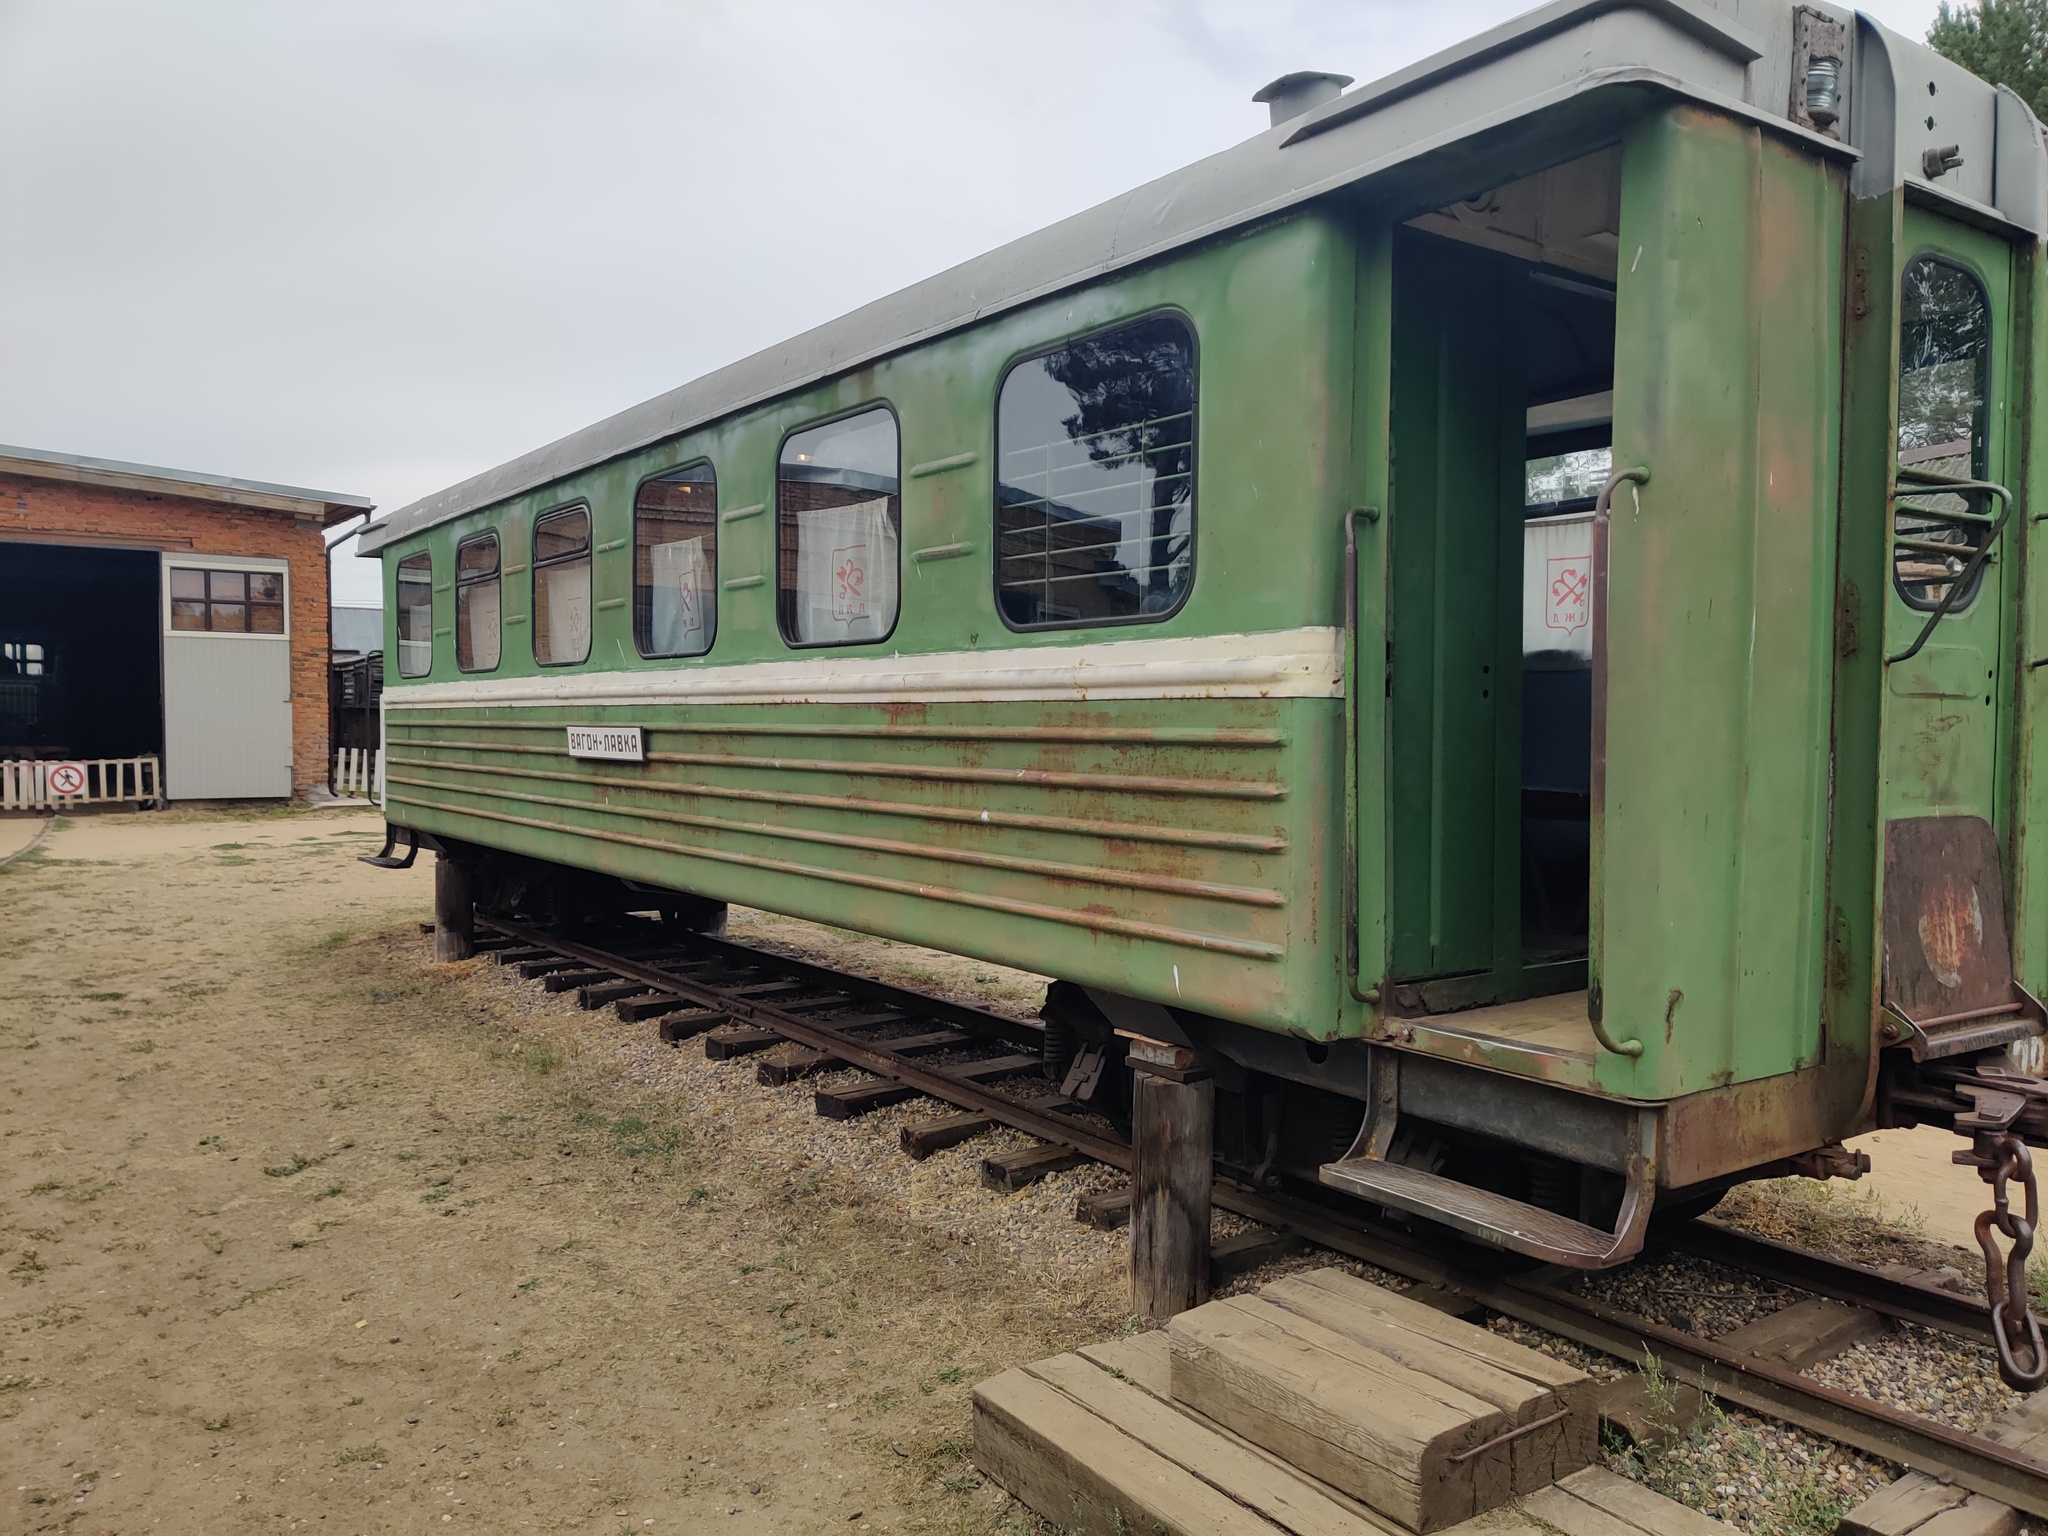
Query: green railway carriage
x,y
1497,610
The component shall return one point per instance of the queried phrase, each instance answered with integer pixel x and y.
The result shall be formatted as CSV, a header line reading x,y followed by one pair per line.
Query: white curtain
x,y
681,598
1557,584
480,611
845,573
565,616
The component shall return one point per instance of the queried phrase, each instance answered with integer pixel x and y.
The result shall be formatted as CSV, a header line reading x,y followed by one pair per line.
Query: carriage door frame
x,y
227,696
1943,738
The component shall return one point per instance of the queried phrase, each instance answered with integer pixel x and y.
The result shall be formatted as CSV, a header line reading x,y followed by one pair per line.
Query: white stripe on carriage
x,y
1302,663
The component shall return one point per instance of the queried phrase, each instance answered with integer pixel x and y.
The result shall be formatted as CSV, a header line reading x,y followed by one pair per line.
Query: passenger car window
x,y
230,602
415,615
838,527
1944,414
675,562
477,607
561,588
1095,478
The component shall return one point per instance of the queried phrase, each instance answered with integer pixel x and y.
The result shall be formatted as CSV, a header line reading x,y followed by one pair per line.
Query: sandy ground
x,y
16,833
1917,1186
302,1232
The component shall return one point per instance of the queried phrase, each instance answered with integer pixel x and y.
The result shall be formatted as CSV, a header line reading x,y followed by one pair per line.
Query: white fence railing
x,y
56,786
360,771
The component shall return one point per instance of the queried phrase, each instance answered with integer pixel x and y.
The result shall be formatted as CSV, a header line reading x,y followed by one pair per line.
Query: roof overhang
x,y
325,507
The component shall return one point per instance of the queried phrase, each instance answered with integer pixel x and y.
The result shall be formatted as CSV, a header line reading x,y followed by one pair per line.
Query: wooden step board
x,y
1095,1443
1426,1418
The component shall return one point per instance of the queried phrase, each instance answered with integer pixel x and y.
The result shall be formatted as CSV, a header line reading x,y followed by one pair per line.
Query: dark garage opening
x,y
81,674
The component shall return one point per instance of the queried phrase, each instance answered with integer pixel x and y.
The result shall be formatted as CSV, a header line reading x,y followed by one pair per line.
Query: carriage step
x,y
1493,1218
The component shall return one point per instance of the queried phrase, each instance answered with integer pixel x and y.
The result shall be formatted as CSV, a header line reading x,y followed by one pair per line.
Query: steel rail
x,y
1909,1301
1969,1461
871,1055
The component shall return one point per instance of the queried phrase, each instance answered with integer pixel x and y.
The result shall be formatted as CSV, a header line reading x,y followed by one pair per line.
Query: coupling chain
x,y
2022,1359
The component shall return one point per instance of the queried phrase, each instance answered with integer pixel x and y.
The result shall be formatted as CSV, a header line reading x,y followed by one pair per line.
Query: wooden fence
x,y
360,771
41,786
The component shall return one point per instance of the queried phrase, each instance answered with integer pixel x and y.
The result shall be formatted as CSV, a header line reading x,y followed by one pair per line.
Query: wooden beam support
x,y
454,908
1173,1143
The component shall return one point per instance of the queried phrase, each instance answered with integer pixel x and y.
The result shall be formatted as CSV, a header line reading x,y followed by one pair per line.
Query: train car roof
x,y
1737,57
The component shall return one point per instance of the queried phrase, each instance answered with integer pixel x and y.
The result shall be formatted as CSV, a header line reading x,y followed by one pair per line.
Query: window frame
x,y
399,584
535,565
633,545
1033,354
1989,380
782,443
245,566
464,584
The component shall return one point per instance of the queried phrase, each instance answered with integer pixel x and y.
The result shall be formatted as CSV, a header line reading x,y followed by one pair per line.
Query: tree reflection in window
x,y
1944,416
1095,493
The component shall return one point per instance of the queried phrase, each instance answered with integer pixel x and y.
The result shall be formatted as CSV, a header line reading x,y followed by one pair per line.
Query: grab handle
x,y
1602,514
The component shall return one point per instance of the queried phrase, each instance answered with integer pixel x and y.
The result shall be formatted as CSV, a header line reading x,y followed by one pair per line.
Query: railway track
x,y
807,1020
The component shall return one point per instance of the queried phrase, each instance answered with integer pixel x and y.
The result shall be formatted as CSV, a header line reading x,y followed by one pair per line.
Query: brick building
x,y
148,611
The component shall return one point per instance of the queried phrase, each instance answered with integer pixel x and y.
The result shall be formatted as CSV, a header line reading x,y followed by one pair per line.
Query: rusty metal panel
x,y
1947,961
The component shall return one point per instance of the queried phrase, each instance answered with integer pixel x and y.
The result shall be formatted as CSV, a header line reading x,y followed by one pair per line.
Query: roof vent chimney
x,y
1302,91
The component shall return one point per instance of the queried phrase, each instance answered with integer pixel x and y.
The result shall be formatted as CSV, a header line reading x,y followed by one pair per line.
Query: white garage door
x,y
227,678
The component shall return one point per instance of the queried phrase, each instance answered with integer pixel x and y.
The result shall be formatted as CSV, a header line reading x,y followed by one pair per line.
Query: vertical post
x,y
1173,1114
454,908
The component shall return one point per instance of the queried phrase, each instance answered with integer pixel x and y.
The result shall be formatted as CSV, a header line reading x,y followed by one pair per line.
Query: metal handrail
x,y
1926,480
1602,516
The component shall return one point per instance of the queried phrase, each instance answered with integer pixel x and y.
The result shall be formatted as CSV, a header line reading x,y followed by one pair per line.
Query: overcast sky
x,y
376,246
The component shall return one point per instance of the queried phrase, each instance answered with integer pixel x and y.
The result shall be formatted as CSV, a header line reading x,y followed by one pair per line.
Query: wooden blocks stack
x,y
1427,1419
1323,1406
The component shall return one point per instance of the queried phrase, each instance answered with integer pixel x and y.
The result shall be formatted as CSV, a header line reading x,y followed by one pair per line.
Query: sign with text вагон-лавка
x,y
608,743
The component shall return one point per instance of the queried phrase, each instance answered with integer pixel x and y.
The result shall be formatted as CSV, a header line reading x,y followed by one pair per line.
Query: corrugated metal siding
x,y
227,717
1153,846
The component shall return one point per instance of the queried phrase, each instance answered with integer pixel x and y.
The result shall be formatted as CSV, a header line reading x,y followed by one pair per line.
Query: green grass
x,y
370,1453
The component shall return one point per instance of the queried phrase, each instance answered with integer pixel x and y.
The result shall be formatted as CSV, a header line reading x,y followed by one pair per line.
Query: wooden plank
x,y
794,1064
1143,1359
859,1098
631,1010
1628,1407
1917,1505
547,965
1172,1151
984,1071
606,993
1525,1384
1249,1250
1278,1493
1010,1171
1404,1310
1104,1209
1411,1446
1597,1502
570,981
732,1040
921,1138
1806,1333
678,1027
521,954
1087,1476
1921,1506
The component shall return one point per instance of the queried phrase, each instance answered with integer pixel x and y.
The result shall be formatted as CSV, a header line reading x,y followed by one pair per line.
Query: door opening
x,y
1503,380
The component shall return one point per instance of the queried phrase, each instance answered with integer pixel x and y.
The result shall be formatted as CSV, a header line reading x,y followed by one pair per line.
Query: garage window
x,y
229,602
476,604
416,615
561,588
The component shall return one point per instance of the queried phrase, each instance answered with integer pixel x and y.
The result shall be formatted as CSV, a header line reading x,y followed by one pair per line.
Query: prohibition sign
x,y
67,779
